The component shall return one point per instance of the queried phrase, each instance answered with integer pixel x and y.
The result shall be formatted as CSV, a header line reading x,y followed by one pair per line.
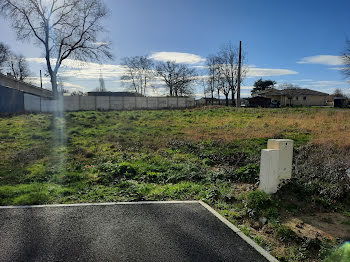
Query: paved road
x,y
137,232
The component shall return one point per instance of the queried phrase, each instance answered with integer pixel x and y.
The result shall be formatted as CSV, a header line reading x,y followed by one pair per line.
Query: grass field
x,y
209,153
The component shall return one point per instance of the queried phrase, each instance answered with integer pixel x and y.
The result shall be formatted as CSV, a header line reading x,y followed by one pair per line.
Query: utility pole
x,y
238,102
41,80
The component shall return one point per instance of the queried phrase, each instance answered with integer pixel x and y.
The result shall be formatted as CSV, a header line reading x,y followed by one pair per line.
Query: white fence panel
x,y
71,103
31,103
129,103
87,103
102,102
172,102
152,102
162,102
141,102
116,103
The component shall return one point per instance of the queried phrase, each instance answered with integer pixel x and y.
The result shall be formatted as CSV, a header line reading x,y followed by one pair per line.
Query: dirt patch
x,y
321,225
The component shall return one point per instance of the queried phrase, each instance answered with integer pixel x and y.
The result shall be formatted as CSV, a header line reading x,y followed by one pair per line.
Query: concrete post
x,y
285,158
269,180
276,164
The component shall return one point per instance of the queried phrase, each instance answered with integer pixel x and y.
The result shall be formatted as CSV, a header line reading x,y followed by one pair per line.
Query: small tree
x,y
261,85
178,78
4,52
339,93
212,81
18,66
65,29
139,73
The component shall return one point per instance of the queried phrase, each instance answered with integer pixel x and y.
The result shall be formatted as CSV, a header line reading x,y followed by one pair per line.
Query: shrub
x,y
248,173
258,200
286,234
261,204
321,171
108,172
33,198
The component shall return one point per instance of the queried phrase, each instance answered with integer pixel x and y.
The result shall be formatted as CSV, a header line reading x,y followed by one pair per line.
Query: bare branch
x,y
65,28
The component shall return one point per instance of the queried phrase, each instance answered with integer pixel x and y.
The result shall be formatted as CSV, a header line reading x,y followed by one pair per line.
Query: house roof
x,y
292,92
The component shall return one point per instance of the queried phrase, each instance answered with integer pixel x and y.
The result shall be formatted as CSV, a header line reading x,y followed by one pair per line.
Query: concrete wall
x,y
11,100
24,102
77,103
9,81
32,103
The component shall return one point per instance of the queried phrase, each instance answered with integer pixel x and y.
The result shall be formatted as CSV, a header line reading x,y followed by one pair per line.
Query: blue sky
x,y
295,41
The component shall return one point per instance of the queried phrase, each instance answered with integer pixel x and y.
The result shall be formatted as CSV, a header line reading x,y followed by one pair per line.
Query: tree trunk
x,y
54,84
219,97
226,96
212,97
233,98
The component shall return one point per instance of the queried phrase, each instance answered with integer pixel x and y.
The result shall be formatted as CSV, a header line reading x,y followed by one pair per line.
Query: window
x,y
304,97
296,98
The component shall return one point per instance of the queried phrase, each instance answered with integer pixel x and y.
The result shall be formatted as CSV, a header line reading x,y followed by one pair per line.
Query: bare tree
x,y
287,86
228,63
346,60
339,93
178,78
78,93
4,52
65,28
212,81
223,84
139,73
18,66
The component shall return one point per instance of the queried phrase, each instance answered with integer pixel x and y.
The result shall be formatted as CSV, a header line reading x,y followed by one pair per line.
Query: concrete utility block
x,y
269,167
285,158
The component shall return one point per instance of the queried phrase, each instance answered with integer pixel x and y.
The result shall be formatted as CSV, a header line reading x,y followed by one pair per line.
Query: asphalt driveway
x,y
120,232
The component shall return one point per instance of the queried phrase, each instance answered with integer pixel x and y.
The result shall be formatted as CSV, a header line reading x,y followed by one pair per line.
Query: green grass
x,y
189,154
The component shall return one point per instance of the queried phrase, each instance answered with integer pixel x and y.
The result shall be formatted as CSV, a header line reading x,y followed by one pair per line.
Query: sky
x,y
289,41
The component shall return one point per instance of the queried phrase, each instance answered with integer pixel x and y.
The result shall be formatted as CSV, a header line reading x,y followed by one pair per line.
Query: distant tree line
x,y
141,72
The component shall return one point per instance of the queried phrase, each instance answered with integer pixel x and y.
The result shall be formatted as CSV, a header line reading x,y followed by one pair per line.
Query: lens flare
x,y
342,254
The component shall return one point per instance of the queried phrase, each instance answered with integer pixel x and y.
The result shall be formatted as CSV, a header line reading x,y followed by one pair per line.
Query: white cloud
x,y
185,58
323,84
263,72
47,84
303,80
84,70
332,60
